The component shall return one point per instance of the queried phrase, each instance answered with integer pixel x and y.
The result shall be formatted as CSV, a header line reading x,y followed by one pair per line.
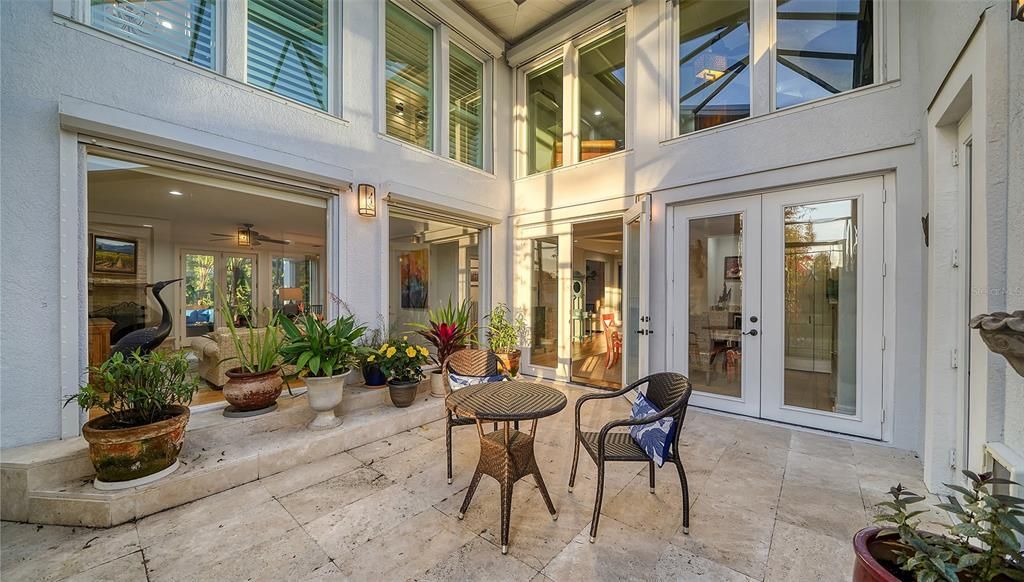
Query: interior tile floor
x,y
768,503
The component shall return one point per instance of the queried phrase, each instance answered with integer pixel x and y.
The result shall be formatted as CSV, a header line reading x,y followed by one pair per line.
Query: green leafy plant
x,y
320,349
505,331
372,340
448,329
402,361
258,351
136,389
994,520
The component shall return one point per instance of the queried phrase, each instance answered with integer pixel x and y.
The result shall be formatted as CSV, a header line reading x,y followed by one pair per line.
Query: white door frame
x,y
639,327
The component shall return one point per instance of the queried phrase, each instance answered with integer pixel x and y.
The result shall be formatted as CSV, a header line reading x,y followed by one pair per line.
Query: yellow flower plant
x,y
402,361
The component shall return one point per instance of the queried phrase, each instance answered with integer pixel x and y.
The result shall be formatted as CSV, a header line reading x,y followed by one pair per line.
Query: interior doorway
x,y
596,291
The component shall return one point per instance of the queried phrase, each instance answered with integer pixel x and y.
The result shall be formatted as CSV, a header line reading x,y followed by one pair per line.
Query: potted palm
x,y
449,330
145,398
255,384
323,354
403,363
902,552
505,334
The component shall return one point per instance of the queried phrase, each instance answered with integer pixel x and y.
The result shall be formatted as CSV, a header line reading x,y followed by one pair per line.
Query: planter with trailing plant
x,y
369,364
403,363
255,384
449,330
982,546
505,334
146,402
323,354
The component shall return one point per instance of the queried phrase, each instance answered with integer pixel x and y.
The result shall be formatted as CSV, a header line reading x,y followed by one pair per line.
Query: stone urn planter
x,y
1003,333
437,389
129,457
324,395
373,377
403,394
251,394
511,361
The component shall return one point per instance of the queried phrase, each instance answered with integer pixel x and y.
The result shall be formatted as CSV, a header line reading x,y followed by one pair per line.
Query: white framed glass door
x,y
636,319
718,260
822,305
205,275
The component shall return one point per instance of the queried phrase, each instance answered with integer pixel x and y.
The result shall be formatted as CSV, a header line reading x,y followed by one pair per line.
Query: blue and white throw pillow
x,y
656,437
456,381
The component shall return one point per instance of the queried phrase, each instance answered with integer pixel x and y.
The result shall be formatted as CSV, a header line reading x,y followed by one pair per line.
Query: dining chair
x,y
667,391
470,366
613,340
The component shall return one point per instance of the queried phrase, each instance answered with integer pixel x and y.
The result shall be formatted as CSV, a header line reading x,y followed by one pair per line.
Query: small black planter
x,y
403,394
373,377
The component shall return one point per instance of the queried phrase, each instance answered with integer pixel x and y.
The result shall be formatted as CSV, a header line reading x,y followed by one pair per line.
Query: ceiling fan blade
x,y
265,238
222,234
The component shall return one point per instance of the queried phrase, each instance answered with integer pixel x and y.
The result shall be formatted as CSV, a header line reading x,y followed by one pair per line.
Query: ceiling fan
x,y
247,237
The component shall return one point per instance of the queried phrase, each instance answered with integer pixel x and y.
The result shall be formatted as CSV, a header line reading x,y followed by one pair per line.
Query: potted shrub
x,y
323,354
505,333
254,385
146,402
904,553
403,363
449,330
369,358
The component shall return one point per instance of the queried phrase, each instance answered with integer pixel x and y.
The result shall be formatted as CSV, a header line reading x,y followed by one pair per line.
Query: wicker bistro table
x,y
506,454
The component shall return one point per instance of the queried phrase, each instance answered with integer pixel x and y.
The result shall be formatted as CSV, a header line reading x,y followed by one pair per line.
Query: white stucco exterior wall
x,y
50,63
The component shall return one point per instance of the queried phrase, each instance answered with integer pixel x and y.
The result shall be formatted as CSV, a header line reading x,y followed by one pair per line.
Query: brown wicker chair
x,y
668,391
467,362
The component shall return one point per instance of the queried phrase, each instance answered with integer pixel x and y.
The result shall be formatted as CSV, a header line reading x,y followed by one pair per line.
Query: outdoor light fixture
x,y
244,236
367,196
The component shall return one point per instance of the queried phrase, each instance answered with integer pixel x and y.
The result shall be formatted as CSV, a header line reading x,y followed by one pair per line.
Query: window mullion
x,y
442,90
334,57
235,36
762,55
571,105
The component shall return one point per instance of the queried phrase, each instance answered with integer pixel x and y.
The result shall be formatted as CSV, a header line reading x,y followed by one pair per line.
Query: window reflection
x,y
603,96
544,118
714,57
823,47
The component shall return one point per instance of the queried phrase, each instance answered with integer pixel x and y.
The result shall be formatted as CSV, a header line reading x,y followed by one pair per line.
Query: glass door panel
x,y
200,274
239,281
544,302
636,317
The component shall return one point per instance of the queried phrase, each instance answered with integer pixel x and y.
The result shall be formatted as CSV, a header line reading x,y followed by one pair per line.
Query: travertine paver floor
x,y
768,503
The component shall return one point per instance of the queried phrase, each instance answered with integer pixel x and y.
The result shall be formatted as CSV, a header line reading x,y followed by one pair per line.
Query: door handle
x,y
751,333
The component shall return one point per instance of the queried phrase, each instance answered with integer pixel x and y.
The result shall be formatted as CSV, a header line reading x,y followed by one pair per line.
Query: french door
x,y
637,326
784,313
207,274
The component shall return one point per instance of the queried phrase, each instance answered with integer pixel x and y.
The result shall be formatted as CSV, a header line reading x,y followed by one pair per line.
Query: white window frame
x,y
763,46
444,35
569,54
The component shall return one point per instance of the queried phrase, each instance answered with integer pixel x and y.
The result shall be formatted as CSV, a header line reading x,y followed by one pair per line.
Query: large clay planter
x,y
403,394
324,395
128,457
511,361
248,392
373,377
866,567
437,389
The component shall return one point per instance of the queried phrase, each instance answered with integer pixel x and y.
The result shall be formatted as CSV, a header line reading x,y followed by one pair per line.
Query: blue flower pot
x,y
373,377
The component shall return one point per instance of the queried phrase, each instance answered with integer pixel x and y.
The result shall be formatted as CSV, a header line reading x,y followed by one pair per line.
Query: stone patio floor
x,y
768,503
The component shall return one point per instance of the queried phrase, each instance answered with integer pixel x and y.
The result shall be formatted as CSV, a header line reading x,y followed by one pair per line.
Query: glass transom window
x,y
287,51
409,78
544,118
465,107
823,47
182,28
602,109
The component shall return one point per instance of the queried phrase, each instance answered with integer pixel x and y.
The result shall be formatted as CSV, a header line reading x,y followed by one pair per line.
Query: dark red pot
x,y
866,567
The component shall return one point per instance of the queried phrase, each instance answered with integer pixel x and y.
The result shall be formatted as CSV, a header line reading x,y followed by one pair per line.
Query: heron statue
x,y
147,339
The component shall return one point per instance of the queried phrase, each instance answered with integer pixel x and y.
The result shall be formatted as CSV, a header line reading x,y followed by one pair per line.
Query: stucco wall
x,y
1013,423
47,61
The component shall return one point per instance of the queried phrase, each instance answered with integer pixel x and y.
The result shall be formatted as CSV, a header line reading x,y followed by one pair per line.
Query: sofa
x,y
214,350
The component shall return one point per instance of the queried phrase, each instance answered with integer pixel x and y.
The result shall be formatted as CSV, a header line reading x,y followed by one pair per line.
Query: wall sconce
x,y
367,196
1017,10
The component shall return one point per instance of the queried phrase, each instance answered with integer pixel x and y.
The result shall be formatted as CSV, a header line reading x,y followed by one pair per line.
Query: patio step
x,y
51,483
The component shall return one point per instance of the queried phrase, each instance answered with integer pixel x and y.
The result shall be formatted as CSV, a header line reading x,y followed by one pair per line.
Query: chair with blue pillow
x,y
653,436
464,368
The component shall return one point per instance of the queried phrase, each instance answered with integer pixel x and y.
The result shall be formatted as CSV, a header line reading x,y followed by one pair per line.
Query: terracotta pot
x,y
866,566
126,454
324,395
373,377
511,361
403,394
437,389
246,391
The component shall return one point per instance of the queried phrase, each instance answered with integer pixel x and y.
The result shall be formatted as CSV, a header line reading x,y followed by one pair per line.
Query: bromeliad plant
x,y
448,329
403,362
994,520
318,349
135,389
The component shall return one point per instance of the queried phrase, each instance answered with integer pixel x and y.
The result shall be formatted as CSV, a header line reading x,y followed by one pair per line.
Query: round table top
x,y
504,401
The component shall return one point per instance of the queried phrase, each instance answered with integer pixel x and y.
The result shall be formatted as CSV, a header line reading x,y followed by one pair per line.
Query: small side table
x,y
506,454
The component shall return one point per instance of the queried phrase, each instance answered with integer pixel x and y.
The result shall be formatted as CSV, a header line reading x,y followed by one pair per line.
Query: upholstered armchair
x,y
214,350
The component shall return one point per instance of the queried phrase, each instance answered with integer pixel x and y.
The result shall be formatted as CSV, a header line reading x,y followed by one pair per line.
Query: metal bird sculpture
x,y
147,339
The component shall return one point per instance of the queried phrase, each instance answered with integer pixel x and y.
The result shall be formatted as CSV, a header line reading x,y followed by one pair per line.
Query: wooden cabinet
x,y
99,339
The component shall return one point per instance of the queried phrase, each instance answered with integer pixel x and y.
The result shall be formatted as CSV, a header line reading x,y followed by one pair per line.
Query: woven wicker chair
x,y
467,362
668,391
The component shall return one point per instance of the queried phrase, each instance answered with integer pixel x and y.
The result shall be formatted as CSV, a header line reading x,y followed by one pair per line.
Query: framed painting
x,y
114,256
414,277
733,268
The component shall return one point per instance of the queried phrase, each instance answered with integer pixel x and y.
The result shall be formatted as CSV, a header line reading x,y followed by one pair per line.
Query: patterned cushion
x,y
456,381
656,437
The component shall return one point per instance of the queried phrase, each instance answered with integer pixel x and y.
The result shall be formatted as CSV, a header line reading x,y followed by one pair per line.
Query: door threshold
x,y
796,427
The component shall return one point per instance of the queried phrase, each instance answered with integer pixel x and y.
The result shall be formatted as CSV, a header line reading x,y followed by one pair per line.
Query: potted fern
x,y
983,546
255,384
449,330
505,334
323,354
145,398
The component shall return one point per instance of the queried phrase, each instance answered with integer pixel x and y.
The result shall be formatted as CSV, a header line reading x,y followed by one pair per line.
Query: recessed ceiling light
x,y
597,113
175,193
148,225
166,25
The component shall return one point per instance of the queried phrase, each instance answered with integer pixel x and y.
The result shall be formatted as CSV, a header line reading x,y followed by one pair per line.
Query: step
x,y
51,483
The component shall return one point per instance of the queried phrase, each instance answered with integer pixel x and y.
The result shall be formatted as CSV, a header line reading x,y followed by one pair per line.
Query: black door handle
x,y
752,332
